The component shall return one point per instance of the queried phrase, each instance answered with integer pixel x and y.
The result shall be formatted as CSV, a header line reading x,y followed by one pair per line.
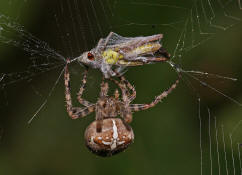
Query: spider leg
x,y
132,96
116,94
120,70
126,83
126,112
122,86
82,88
100,105
74,112
99,118
139,107
104,89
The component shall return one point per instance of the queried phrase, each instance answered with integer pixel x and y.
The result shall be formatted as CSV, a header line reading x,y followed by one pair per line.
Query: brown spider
x,y
108,135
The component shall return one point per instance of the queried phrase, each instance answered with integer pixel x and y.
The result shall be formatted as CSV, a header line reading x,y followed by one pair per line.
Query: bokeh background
x,y
167,137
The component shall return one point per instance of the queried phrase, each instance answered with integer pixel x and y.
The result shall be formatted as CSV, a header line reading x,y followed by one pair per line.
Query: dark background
x,y
167,137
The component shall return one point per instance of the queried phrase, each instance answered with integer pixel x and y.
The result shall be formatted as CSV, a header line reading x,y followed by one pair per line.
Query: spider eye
x,y
90,56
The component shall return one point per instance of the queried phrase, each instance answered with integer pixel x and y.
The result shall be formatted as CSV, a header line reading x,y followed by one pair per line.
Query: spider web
x,y
80,25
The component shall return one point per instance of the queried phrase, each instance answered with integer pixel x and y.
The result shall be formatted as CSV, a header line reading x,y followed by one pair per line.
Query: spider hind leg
x,y
140,107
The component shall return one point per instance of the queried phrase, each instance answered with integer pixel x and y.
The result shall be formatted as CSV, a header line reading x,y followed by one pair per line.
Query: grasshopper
x,y
115,53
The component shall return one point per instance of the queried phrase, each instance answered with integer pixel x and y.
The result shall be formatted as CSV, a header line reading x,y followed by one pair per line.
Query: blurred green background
x,y
167,137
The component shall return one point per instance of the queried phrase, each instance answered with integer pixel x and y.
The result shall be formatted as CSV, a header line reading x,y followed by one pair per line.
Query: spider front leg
x,y
101,105
82,88
125,111
104,89
124,85
74,112
139,107
132,96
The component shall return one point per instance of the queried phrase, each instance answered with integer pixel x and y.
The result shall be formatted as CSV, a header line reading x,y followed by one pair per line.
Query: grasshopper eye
x,y
90,56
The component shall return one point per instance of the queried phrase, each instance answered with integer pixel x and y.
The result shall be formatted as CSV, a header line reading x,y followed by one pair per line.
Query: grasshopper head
x,y
89,59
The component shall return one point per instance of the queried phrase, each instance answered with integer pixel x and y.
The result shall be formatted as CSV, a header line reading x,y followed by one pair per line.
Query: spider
x,y
108,135
114,53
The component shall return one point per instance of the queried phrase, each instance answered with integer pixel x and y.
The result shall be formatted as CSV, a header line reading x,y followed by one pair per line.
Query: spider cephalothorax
x,y
108,134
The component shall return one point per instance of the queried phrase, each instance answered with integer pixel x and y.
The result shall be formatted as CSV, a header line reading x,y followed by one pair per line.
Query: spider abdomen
x,y
114,137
